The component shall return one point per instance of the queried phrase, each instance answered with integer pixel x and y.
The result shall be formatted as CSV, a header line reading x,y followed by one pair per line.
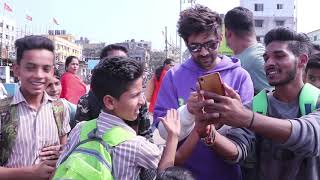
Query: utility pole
x,y
166,41
180,37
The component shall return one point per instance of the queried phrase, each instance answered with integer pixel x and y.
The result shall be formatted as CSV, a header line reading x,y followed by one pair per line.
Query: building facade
x,y
139,50
314,36
271,14
65,46
7,39
90,50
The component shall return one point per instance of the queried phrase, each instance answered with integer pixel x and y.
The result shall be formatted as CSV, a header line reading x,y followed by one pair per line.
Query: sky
x,y
119,20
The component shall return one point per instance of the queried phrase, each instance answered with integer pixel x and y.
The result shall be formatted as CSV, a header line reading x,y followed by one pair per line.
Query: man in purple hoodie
x,y
201,30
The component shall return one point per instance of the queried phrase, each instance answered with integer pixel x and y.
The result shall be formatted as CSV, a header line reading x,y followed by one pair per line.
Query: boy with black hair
x,y
89,107
175,173
31,128
121,101
312,73
54,89
113,50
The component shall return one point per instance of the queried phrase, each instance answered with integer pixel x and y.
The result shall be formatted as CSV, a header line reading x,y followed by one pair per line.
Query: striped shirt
x,y
36,130
129,156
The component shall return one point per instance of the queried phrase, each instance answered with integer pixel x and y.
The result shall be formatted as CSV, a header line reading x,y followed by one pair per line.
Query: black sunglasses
x,y
210,46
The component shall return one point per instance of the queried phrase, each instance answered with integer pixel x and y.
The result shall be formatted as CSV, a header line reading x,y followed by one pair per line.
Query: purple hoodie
x,y
174,92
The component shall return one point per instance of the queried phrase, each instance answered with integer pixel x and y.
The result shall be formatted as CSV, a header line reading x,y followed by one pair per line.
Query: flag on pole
x,y
28,17
7,7
55,21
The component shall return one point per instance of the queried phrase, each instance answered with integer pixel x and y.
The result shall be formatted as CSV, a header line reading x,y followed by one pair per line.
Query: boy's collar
x,y
114,120
18,98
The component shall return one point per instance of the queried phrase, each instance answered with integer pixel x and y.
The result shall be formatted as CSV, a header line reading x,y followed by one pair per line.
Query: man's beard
x,y
290,77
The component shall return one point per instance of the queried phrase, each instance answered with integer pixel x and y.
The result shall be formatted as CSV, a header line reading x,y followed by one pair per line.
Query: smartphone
x,y
212,83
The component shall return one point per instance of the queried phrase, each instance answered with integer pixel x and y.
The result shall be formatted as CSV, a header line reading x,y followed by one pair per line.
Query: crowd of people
x,y
266,126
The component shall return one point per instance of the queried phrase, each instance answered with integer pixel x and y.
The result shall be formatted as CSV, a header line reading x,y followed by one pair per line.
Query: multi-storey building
x,y
90,50
269,14
314,36
7,38
65,46
139,50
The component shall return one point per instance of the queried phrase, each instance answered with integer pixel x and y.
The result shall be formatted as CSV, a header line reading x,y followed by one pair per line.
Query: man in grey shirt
x,y
241,38
287,143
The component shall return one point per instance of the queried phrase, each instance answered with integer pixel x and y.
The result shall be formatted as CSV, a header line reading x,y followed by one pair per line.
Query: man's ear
x,y
15,69
303,60
109,102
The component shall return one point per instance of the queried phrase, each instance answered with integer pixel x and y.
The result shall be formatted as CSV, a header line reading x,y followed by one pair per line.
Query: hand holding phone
x,y
212,83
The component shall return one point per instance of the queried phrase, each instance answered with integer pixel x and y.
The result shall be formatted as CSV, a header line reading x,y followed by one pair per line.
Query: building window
x,y
279,6
279,23
12,28
258,7
7,36
258,23
1,24
315,38
7,26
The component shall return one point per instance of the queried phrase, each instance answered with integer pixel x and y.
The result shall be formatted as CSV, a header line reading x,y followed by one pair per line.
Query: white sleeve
x,y
187,124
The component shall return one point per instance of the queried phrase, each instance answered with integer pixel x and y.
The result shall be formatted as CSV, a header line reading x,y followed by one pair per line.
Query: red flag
x,y
7,7
28,17
55,21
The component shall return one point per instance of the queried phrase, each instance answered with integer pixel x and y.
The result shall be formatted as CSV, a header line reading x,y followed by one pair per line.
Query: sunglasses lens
x,y
193,48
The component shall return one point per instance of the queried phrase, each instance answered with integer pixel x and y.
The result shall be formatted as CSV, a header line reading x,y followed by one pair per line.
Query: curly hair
x,y
198,19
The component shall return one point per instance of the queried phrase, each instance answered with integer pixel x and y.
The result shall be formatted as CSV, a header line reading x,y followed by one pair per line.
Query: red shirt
x,y
157,85
72,87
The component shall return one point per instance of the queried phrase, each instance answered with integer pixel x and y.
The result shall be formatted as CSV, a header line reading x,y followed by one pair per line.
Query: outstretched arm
x,y
172,125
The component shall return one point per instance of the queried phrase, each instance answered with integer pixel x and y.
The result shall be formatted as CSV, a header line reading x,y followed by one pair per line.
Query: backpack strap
x,y
308,99
260,102
58,113
112,137
117,135
9,128
87,129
